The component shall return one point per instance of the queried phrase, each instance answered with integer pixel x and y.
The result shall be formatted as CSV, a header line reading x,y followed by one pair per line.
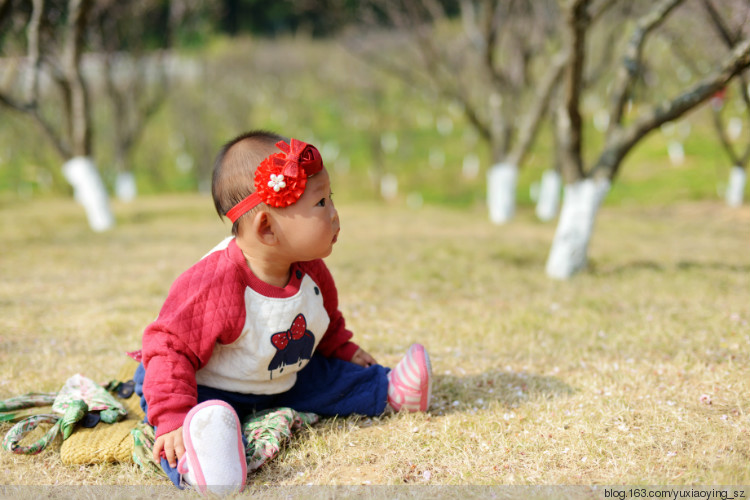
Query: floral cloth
x,y
16,433
97,398
32,399
76,399
265,434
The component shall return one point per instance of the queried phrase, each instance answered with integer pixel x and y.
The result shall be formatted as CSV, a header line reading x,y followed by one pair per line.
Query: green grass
x,y
634,372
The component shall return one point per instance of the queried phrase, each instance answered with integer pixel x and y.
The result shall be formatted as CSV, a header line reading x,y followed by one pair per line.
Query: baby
x,y
255,324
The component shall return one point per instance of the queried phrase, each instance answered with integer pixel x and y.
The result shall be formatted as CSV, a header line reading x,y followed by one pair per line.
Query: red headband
x,y
281,178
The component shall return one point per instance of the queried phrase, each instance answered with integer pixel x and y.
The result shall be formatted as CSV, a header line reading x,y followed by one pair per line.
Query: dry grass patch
x,y
633,373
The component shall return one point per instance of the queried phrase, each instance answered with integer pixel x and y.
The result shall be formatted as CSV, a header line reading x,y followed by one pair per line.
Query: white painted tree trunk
x,y
676,153
89,191
502,180
125,187
736,189
549,195
581,202
389,187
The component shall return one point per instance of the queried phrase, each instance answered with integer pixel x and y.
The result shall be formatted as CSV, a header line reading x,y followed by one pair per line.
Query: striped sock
x,y
410,382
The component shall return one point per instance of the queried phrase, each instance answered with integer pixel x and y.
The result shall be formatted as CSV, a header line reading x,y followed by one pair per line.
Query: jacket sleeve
x,y
336,341
180,342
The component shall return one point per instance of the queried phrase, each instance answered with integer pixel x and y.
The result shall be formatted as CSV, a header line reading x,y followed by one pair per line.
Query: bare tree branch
x,y
80,130
745,93
730,41
435,9
630,68
599,10
683,54
533,119
5,10
577,20
491,68
136,83
444,77
485,38
689,60
55,49
9,102
721,27
46,127
30,103
605,60
724,138
471,25
621,141
32,35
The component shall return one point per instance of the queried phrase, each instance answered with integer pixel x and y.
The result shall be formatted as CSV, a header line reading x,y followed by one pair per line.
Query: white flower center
x,y
277,182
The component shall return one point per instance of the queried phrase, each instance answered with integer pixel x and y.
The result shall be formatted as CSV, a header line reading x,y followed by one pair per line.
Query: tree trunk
x,y
585,192
79,119
550,189
581,202
80,171
89,191
502,197
549,195
502,180
125,187
736,190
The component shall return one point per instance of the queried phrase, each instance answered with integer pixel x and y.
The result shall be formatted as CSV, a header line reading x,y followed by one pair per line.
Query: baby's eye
x,y
322,202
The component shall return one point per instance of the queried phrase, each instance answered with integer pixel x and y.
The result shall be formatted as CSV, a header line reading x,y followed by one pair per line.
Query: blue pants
x,y
326,386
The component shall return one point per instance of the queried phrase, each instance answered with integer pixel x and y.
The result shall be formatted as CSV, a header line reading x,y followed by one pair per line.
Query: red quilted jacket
x,y
206,306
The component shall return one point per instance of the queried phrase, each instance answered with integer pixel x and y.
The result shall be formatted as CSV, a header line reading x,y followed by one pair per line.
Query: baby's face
x,y
310,227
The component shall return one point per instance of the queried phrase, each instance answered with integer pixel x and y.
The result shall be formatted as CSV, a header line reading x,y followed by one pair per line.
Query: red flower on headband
x,y
281,178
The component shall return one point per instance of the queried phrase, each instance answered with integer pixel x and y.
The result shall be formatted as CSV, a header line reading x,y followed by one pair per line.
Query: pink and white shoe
x,y
214,459
410,382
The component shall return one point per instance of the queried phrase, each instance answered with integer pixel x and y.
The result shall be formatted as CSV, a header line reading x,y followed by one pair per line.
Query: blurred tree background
x,y
168,81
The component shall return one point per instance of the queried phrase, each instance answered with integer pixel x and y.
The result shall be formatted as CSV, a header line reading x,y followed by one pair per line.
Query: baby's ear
x,y
262,227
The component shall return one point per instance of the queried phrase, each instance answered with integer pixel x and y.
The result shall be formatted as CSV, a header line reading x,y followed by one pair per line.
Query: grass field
x,y
635,372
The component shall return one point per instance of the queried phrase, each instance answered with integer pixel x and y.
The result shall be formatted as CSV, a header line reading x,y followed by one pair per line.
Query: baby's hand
x,y
172,445
362,358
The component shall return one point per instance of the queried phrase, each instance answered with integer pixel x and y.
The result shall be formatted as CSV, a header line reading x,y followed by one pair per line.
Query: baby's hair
x,y
234,169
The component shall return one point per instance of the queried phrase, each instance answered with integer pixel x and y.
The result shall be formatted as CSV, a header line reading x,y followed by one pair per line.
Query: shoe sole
x,y
212,421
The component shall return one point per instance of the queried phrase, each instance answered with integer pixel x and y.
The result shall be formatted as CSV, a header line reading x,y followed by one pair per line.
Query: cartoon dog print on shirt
x,y
293,345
